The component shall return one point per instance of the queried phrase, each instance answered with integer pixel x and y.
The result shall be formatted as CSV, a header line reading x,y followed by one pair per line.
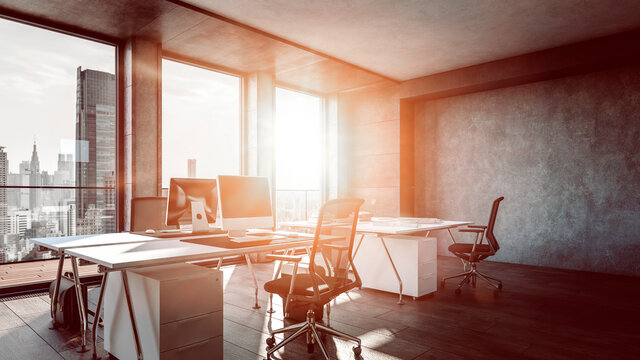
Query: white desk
x,y
382,227
167,251
64,243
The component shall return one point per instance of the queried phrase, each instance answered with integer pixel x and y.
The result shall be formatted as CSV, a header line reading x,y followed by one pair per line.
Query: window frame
x,y
324,191
119,46
185,60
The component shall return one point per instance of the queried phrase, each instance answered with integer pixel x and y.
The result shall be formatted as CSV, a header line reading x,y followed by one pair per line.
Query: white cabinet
x,y
415,258
177,308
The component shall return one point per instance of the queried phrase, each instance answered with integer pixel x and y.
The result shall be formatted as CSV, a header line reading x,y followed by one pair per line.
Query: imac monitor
x,y
192,200
245,202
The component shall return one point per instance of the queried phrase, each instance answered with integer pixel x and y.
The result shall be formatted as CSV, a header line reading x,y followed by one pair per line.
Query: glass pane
x,y
58,128
200,122
298,155
55,215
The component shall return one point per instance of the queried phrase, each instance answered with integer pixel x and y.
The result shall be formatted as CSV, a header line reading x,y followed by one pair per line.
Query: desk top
x,y
387,226
80,241
167,251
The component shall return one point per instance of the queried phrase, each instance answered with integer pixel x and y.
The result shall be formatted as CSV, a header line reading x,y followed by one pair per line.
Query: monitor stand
x,y
198,218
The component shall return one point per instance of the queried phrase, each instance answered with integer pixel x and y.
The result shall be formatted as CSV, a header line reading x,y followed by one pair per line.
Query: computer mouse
x,y
150,231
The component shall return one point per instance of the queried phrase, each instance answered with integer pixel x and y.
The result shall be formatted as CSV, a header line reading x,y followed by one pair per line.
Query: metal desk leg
x,y
355,252
81,309
400,302
96,316
255,282
125,285
56,291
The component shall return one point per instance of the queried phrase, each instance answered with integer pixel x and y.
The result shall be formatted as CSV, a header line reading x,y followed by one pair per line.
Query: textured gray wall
x,y
565,153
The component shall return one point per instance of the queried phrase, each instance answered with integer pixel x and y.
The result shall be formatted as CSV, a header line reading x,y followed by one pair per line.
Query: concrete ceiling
x,y
192,35
405,39
398,39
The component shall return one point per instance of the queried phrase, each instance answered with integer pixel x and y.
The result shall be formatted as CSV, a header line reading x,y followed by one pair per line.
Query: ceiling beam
x,y
277,38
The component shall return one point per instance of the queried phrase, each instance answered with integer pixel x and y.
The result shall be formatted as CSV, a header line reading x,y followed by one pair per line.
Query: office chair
x,y
149,213
318,286
476,252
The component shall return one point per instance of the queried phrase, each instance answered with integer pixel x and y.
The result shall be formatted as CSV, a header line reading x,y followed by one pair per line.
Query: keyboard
x,y
255,238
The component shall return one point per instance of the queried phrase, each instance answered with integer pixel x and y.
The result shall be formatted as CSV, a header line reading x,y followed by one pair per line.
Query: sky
x,y
298,140
200,120
38,89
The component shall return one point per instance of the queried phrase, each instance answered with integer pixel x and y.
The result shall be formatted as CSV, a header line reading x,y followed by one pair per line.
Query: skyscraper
x,y
4,171
34,179
95,144
191,168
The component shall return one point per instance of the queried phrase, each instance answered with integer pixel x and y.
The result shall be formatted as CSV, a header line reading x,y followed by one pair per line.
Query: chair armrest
x,y
477,226
472,230
292,258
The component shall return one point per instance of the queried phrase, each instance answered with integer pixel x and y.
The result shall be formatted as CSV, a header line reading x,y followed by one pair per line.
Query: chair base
x,y
312,330
471,276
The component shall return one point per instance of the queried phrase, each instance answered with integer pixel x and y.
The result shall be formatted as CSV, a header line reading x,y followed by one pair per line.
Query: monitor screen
x,y
182,191
245,202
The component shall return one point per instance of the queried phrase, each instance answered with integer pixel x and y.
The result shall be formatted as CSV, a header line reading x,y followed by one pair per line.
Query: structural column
x,y
259,125
142,130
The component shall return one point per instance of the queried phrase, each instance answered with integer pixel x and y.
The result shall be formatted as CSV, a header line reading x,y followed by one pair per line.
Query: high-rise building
x,y
4,172
23,180
95,144
191,168
34,179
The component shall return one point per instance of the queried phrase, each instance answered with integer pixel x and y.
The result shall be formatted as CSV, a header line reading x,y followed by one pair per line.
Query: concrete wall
x,y
371,117
565,153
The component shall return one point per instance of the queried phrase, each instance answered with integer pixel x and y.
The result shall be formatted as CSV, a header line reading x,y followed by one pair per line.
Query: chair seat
x,y
466,248
304,287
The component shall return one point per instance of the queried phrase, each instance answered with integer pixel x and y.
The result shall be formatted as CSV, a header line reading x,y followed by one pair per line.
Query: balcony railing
x,y
297,204
28,212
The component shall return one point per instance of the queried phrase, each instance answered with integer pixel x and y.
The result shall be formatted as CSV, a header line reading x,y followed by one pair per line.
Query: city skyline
x,y
38,97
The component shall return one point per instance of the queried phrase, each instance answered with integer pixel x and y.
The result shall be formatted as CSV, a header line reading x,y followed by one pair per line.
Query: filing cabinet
x,y
177,308
415,257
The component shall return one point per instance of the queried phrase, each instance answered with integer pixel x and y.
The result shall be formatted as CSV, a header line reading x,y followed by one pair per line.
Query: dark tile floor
x,y
541,314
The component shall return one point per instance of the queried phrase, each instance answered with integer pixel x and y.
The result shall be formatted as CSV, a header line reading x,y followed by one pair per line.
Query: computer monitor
x,y
245,202
192,200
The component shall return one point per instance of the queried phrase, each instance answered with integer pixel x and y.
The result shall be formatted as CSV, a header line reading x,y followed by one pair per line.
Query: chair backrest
x,y
338,211
491,238
148,213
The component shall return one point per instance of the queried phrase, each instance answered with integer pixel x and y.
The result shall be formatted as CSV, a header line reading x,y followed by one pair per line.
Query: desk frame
x,y
295,243
383,231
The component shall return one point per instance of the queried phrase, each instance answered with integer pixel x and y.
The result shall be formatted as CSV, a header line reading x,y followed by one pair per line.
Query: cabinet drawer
x,y
188,331
208,349
202,294
427,268
427,284
427,250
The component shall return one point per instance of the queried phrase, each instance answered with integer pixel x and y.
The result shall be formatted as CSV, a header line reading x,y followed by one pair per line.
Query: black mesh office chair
x,y
476,252
319,286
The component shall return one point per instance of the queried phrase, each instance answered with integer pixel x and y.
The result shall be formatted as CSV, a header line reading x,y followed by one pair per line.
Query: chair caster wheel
x,y
458,291
357,350
270,342
500,286
310,348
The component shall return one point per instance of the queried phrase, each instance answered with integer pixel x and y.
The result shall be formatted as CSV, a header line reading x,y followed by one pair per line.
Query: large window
x,y
200,122
299,160
57,138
